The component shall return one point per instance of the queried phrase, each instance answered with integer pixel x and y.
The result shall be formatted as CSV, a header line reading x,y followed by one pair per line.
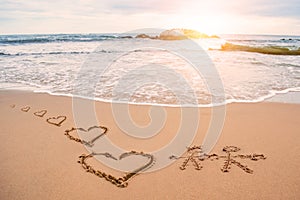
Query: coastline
x,y
290,96
39,161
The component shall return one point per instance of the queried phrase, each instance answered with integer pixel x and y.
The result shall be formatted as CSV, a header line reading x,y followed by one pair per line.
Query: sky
x,y
102,16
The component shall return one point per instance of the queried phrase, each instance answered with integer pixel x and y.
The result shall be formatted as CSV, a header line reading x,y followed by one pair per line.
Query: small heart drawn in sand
x,y
40,113
57,121
118,181
25,109
12,105
100,131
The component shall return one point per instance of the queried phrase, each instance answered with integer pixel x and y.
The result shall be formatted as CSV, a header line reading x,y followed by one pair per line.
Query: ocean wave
x,y
283,40
26,39
4,54
46,53
53,53
287,65
264,98
273,50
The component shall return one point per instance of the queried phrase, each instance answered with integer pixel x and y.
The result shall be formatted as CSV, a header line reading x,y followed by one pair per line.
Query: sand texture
x,y
42,157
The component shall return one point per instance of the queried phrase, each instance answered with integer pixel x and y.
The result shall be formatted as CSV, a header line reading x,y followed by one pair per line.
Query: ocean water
x,y
109,67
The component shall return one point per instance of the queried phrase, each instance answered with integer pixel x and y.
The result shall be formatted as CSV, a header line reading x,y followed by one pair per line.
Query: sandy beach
x,y
40,162
149,100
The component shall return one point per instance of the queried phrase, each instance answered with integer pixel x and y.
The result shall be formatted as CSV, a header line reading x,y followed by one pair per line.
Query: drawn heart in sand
x,y
57,121
40,113
118,181
25,109
12,105
94,135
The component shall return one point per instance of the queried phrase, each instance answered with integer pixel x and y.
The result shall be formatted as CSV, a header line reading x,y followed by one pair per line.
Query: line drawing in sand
x,y
25,109
57,121
40,113
229,159
121,182
90,142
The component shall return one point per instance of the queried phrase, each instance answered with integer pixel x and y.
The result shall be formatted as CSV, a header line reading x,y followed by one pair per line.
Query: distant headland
x,y
177,34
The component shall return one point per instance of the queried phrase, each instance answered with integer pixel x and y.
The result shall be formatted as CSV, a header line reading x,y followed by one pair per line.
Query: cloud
x,y
287,8
110,15
275,8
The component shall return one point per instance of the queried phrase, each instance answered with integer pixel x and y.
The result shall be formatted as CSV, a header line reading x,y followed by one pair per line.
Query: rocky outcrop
x,y
146,36
181,34
173,34
126,37
177,34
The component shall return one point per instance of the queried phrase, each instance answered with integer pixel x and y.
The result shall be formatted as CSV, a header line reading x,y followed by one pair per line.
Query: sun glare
x,y
209,24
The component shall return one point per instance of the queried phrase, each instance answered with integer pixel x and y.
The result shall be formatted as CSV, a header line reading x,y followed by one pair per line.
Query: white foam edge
x,y
271,94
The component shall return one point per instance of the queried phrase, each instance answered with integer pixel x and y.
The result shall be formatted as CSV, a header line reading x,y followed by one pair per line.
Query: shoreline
x,y
292,94
39,161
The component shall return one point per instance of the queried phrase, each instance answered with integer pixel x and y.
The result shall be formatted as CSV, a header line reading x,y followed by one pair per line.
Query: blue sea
x,y
112,67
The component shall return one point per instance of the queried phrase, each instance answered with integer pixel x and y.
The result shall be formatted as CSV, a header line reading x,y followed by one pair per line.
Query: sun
x,y
209,24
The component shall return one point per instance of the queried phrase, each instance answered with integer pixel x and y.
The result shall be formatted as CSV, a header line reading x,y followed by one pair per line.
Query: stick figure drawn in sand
x,y
192,156
229,159
196,156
